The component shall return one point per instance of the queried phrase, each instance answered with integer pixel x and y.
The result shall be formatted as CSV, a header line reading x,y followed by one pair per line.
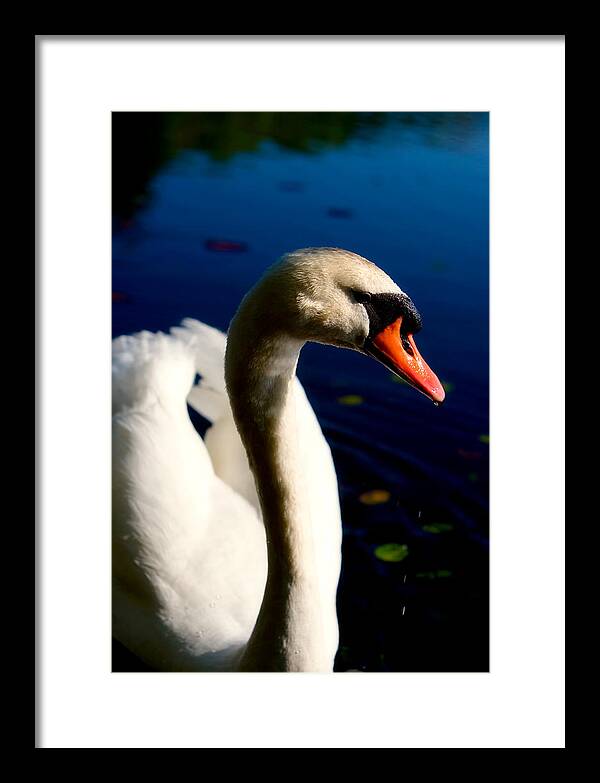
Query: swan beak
x,y
387,347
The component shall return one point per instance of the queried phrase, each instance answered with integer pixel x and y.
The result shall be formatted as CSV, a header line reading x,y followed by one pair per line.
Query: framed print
x,y
293,449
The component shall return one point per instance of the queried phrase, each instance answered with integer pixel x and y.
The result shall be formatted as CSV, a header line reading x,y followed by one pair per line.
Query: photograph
x,y
300,391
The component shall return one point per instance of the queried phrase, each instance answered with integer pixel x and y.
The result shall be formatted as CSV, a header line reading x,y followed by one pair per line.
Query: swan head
x,y
335,297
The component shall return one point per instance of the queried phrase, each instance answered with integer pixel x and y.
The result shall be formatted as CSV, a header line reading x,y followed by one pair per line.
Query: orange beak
x,y
399,353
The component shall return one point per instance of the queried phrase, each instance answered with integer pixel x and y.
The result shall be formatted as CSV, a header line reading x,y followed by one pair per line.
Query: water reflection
x,y
143,141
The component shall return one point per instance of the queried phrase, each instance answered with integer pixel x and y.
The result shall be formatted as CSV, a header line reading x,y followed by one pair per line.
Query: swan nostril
x,y
407,346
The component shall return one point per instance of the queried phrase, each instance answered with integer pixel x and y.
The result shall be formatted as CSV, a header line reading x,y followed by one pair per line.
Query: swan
x,y
226,551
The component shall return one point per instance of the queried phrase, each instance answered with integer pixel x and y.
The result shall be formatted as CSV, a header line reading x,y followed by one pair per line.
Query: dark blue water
x,y
202,204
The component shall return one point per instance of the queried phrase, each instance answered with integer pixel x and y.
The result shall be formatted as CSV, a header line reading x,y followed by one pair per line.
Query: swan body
x,y
186,513
227,550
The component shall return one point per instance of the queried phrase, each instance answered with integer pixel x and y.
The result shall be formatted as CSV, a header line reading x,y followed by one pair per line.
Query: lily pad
x,y
391,553
439,574
374,497
438,527
350,399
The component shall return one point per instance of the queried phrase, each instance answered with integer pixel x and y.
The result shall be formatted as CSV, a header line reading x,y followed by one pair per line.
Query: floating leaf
x,y
225,246
448,386
350,399
391,553
469,454
438,527
339,212
119,296
440,574
484,438
374,497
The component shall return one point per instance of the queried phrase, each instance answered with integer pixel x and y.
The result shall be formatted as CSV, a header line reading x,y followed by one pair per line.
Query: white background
x,y
520,703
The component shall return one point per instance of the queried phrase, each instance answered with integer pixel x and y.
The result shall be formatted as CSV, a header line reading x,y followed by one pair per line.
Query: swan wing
x,y
189,554
209,398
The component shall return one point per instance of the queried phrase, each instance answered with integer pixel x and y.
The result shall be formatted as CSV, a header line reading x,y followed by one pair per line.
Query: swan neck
x,y
260,373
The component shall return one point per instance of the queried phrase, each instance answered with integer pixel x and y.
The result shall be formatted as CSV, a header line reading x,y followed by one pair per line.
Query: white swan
x,y
197,585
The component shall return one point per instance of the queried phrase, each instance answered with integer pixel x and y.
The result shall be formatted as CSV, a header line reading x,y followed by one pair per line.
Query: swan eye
x,y
362,296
